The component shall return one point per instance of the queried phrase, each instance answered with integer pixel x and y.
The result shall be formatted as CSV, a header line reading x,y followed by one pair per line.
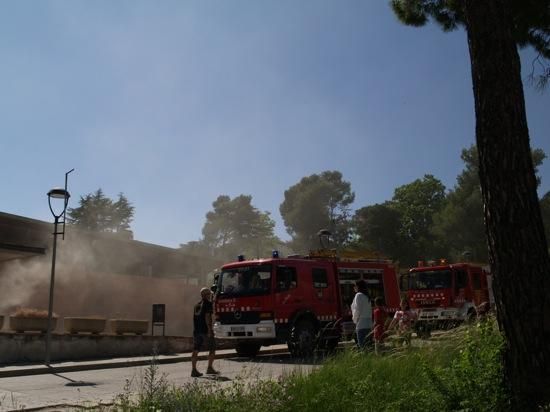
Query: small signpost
x,y
159,316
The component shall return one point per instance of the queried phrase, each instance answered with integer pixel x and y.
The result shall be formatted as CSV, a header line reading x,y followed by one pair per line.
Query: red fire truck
x,y
444,295
303,301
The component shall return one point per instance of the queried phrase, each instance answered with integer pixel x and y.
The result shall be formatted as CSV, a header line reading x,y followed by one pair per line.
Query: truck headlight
x,y
263,329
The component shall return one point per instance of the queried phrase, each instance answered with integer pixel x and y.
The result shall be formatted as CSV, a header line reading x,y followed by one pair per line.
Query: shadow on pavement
x,y
216,378
72,382
284,358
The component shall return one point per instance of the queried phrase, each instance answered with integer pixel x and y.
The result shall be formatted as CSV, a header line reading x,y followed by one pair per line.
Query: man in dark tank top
x,y
203,332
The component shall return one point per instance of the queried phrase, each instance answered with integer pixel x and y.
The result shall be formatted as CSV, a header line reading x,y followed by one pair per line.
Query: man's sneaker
x,y
212,371
195,374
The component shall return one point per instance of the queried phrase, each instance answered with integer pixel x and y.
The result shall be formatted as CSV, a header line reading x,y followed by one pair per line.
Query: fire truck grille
x,y
239,317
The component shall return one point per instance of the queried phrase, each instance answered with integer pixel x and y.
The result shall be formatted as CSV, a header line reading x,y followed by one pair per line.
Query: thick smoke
x,y
108,277
20,280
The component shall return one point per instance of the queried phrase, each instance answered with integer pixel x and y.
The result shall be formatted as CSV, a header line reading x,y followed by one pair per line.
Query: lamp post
x,y
55,193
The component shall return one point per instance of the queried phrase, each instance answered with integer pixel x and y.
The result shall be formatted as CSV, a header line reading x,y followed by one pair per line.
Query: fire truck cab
x,y
444,295
303,301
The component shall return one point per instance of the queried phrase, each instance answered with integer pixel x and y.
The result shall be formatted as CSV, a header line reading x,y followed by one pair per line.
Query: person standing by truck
x,y
403,321
379,316
361,311
203,333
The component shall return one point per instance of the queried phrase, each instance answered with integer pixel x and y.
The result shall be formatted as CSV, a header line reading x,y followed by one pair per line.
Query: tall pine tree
x,y
518,250
98,213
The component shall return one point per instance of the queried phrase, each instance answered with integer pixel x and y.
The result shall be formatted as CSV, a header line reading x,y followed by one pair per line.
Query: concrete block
x,y
30,324
84,325
121,326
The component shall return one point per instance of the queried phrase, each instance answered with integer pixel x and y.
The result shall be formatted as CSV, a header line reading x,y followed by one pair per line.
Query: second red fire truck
x,y
302,301
444,295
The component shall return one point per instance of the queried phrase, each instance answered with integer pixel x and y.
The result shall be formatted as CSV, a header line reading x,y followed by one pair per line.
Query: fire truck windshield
x,y
435,279
245,281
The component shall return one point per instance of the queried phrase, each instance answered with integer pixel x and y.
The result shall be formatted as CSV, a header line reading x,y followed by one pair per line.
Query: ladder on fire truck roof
x,y
347,255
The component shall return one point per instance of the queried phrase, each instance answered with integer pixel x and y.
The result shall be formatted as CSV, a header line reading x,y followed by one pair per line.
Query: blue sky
x,y
176,102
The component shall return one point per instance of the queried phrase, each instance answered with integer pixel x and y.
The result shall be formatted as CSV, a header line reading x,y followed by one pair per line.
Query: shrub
x,y
474,381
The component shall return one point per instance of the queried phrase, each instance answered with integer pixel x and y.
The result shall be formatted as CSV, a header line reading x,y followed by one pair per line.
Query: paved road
x,y
60,391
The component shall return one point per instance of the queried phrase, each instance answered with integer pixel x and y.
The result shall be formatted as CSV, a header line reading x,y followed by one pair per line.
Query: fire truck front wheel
x,y
302,339
471,316
247,349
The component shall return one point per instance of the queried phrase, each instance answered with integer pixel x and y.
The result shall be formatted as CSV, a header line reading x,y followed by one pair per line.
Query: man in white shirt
x,y
361,310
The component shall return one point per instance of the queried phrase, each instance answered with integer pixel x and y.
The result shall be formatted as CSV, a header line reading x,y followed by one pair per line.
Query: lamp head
x,y
324,232
59,193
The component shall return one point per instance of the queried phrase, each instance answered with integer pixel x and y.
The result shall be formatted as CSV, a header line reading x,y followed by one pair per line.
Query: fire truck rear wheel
x,y
302,339
248,350
423,331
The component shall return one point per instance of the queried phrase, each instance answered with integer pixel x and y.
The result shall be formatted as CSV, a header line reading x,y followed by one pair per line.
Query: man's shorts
x,y
201,341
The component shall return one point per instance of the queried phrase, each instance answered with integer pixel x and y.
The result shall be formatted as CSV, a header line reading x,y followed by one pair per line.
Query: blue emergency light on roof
x,y
275,254
240,258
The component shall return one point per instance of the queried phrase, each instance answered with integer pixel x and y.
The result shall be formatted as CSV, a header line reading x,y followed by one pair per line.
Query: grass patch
x,y
459,373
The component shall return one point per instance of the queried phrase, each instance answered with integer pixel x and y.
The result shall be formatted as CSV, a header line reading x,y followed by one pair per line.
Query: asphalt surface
x,y
74,366
68,386
75,385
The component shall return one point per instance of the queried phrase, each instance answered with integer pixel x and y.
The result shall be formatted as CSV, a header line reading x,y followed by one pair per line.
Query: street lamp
x,y
55,193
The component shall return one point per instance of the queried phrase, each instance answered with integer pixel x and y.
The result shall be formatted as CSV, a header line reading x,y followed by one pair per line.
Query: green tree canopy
x,y
417,202
319,201
530,18
96,212
460,223
377,228
235,227
402,228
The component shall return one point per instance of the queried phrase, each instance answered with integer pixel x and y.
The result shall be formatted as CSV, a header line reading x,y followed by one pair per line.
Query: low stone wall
x,y
31,347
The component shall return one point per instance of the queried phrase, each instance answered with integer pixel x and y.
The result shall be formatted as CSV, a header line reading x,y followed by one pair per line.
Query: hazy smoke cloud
x,y
19,281
98,277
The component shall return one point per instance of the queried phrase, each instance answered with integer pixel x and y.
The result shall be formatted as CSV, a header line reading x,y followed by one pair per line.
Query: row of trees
x,y
422,220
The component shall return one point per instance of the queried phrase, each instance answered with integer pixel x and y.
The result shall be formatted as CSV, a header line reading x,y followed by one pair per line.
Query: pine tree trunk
x,y
518,250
